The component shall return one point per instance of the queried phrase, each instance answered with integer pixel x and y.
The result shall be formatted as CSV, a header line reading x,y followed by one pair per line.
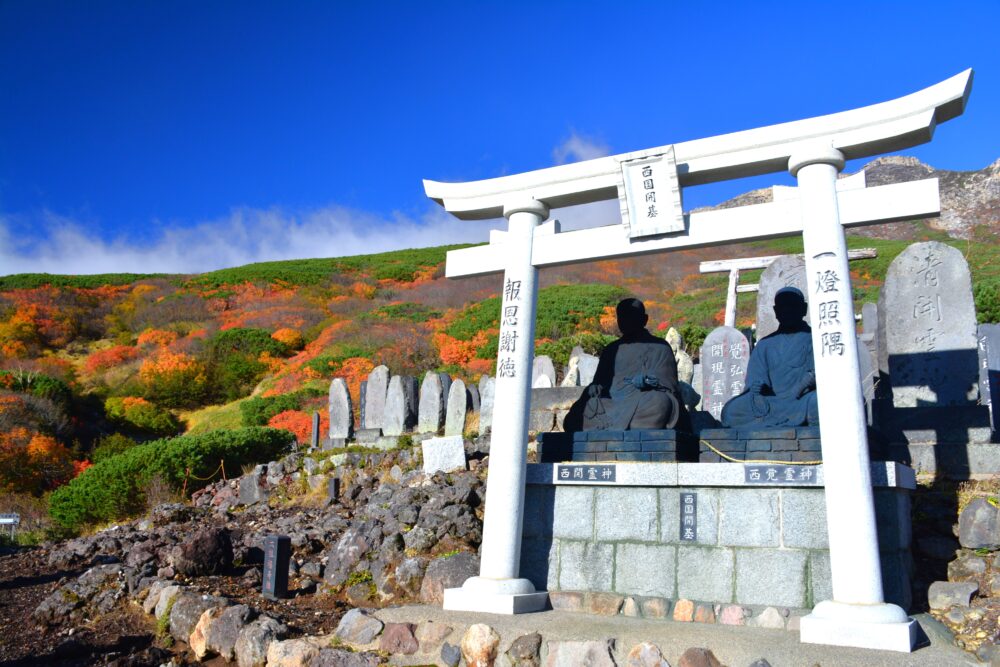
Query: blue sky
x,y
186,136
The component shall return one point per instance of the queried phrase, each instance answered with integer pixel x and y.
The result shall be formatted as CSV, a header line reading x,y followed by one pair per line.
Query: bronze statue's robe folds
x,y
635,387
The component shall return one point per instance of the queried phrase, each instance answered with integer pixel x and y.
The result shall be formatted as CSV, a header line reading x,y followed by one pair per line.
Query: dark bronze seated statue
x,y
781,376
635,385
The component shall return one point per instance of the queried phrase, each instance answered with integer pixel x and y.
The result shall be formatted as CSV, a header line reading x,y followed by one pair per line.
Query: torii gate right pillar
x,y
858,614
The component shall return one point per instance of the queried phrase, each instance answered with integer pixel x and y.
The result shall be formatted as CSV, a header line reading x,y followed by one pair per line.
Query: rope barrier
x,y
188,474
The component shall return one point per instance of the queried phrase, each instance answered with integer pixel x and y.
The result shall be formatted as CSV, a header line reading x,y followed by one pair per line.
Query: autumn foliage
x,y
111,357
31,462
174,379
299,423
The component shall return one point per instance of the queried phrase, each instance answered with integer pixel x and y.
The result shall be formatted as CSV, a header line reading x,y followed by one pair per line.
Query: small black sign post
x,y
333,488
277,553
314,442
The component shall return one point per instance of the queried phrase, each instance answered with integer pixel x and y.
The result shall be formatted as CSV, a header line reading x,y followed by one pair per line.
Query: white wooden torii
x,y
648,183
734,266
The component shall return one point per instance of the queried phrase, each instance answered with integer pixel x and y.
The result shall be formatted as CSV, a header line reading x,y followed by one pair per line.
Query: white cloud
x,y
578,148
64,245
246,235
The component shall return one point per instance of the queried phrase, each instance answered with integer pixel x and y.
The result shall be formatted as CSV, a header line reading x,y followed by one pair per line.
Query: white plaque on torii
x,y
814,150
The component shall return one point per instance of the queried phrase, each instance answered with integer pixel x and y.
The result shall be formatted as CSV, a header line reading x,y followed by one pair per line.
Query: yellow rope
x,y
764,461
205,479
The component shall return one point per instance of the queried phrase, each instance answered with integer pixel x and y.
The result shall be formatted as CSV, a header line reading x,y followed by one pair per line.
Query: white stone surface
x,y
881,626
458,599
885,203
443,454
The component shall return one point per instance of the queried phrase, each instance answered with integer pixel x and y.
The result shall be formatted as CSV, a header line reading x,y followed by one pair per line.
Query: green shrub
x,y
37,384
111,445
406,312
115,488
338,354
140,416
234,365
257,411
987,297
559,350
33,280
694,336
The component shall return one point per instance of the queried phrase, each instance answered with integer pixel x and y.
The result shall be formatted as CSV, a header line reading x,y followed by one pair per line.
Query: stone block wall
x,y
774,444
754,546
660,445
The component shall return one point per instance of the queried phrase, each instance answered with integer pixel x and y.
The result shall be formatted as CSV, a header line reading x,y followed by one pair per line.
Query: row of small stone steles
x,y
393,405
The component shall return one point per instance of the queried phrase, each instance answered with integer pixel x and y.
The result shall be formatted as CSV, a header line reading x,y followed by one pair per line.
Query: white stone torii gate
x,y
734,266
814,151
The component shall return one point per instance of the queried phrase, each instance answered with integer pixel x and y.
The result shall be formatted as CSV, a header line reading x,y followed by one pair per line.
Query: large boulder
x,y
187,610
358,627
449,572
979,525
251,647
207,551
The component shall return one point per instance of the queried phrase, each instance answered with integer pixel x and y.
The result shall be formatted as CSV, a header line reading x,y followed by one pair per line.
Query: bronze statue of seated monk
x,y
781,376
635,385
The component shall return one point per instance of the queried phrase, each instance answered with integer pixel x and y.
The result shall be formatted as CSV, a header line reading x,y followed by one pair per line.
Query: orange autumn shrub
x,y
459,352
363,290
174,379
20,334
300,424
156,338
109,358
31,462
290,337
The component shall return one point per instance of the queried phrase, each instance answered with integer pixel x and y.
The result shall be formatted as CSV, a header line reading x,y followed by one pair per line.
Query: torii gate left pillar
x,y
498,588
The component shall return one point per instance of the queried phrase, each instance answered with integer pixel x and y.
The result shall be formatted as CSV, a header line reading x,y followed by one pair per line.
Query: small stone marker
x,y
375,393
868,371
689,517
430,413
697,382
928,316
277,553
458,406
341,411
475,402
362,403
443,454
333,488
724,358
685,366
487,390
400,414
571,375
786,271
989,371
542,367
588,368
314,439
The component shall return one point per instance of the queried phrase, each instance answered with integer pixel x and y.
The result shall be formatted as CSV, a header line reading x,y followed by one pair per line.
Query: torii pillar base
x,y
496,596
875,626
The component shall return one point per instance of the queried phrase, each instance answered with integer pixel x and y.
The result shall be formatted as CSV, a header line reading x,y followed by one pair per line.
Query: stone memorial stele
x,y
378,387
724,358
458,406
274,579
697,383
400,415
814,151
786,271
571,376
685,366
588,367
362,402
314,435
430,413
989,371
928,320
487,391
443,454
341,411
542,367
869,373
